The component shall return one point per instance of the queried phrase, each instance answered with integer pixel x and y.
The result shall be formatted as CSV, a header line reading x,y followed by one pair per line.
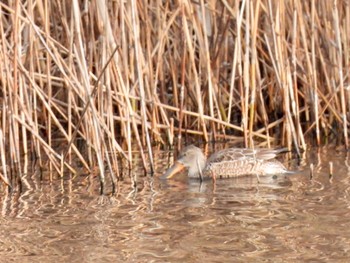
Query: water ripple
x,y
288,219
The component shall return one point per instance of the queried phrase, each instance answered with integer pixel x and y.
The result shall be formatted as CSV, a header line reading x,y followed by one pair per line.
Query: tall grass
x,y
90,80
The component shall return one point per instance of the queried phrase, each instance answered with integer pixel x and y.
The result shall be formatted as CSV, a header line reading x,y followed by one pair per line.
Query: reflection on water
x,y
287,219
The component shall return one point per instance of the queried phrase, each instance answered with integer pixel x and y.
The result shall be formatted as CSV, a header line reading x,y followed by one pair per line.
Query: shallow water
x,y
291,218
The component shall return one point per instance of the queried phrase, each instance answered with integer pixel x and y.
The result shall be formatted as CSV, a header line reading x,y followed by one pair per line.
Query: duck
x,y
227,163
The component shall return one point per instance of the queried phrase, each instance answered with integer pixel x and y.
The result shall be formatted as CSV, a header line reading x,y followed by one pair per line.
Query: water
x,y
291,218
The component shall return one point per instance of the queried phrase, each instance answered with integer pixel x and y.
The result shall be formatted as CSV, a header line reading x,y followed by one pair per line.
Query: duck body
x,y
227,163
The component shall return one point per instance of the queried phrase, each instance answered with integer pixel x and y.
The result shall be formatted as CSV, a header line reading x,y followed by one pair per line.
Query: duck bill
x,y
176,168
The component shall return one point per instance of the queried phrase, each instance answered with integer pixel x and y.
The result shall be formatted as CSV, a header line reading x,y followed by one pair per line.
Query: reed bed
x,y
91,82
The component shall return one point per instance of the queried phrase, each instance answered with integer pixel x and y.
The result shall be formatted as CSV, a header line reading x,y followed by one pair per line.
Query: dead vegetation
x,y
123,75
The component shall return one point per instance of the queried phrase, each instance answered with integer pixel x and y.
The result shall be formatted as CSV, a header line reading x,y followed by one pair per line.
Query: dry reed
x,y
125,75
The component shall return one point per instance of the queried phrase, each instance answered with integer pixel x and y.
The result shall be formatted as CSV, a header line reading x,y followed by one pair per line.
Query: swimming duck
x,y
232,162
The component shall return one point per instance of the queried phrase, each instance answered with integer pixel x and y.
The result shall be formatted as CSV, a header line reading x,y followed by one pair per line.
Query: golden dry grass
x,y
114,74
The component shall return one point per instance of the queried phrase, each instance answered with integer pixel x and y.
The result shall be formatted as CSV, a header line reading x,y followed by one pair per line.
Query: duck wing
x,y
244,154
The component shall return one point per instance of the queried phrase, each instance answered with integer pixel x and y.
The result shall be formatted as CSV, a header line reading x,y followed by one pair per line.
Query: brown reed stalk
x,y
252,109
139,58
246,79
194,71
314,72
3,176
48,74
294,91
340,72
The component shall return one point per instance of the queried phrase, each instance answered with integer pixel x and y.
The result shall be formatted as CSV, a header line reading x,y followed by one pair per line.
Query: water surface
x,y
291,218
